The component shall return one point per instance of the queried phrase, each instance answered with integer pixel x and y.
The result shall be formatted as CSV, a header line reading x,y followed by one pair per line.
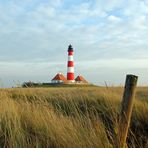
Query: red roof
x,y
59,76
80,79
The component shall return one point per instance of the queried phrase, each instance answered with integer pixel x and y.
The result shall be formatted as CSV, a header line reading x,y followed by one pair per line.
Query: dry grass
x,y
68,117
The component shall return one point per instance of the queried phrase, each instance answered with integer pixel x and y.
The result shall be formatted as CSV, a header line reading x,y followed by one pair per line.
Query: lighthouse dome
x,y
70,48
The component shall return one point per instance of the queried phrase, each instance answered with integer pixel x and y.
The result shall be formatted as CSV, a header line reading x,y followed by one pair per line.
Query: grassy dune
x,y
69,117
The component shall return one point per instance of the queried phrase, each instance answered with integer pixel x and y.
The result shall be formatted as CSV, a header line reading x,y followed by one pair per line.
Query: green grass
x,y
69,117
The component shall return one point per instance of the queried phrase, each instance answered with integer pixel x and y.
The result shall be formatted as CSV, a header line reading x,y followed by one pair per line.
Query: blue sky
x,y
110,39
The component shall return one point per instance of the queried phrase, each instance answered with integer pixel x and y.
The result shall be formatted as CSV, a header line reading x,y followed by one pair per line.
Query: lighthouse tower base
x,y
70,82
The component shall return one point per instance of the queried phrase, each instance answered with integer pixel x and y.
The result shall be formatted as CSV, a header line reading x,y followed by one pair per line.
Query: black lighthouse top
x,y
70,48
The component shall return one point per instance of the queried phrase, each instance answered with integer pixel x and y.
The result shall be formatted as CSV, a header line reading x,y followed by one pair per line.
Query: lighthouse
x,y
70,65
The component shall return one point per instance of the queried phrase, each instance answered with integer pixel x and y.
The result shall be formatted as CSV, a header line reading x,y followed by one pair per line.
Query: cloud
x,y
113,18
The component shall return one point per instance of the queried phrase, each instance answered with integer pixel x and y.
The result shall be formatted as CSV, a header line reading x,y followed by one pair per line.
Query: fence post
x,y
126,109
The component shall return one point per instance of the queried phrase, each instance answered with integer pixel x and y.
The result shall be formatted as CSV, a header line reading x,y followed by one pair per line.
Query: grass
x,y
71,117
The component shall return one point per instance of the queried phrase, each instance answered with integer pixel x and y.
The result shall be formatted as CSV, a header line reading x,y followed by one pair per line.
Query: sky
x,y
109,37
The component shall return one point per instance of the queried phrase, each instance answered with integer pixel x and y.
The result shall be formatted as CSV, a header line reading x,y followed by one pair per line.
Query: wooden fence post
x,y
126,109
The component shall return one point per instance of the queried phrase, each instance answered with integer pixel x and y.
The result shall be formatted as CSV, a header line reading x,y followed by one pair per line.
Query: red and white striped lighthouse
x,y
70,65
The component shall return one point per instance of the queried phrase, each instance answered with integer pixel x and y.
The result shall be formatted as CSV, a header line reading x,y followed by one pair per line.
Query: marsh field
x,y
69,117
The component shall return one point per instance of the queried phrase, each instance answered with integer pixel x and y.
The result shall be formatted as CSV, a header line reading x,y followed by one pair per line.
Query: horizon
x,y
109,39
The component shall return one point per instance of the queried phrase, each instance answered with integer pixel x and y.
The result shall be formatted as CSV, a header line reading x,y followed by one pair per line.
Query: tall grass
x,y
68,117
